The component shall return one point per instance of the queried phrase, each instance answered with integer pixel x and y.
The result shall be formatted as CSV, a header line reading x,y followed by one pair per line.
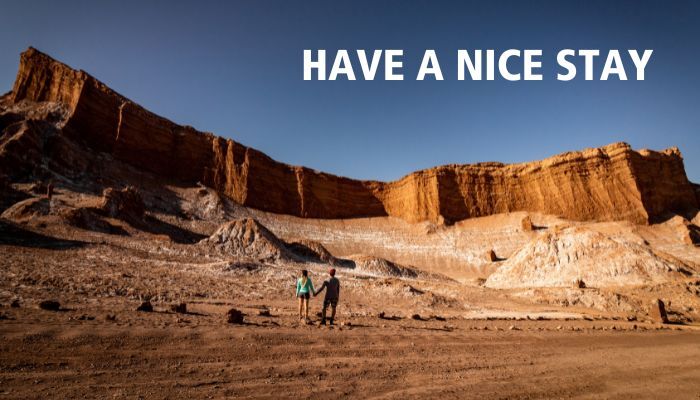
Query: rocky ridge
x,y
609,183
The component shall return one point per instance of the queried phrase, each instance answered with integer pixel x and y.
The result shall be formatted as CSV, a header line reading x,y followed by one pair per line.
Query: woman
x,y
304,290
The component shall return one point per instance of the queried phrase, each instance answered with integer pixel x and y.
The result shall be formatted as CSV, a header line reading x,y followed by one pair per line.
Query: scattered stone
x,y
50,305
658,311
146,306
234,316
491,256
180,308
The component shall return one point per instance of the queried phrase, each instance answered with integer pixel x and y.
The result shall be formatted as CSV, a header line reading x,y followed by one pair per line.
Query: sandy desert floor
x,y
163,355
467,340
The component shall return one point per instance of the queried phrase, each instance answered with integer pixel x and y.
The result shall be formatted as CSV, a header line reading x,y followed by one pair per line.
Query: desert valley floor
x,y
401,332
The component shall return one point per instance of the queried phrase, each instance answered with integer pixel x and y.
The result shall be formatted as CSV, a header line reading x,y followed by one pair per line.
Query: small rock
x,y
146,306
15,303
491,256
417,317
658,311
180,308
514,328
264,313
110,317
234,316
50,305
382,315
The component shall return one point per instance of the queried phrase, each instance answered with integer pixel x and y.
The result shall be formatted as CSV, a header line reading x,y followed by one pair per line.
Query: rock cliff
x,y
609,183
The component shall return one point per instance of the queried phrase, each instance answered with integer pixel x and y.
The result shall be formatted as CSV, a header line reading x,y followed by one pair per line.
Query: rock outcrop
x,y
556,259
377,266
247,238
609,183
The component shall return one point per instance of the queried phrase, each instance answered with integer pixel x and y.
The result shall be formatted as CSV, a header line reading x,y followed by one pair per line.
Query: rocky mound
x,y
312,251
125,204
609,183
87,218
247,238
27,209
558,259
380,267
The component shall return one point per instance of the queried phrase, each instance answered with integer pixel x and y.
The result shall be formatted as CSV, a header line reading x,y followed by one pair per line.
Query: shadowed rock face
x,y
609,183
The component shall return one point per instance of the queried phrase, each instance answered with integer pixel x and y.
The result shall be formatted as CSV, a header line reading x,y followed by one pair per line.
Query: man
x,y
332,286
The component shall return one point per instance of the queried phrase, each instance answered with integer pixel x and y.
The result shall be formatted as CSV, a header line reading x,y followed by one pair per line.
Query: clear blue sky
x,y
235,69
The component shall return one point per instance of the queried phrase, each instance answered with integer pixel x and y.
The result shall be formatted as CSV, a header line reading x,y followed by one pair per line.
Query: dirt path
x,y
98,360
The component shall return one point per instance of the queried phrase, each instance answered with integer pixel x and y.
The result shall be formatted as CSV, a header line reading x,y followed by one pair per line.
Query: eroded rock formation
x,y
559,258
609,183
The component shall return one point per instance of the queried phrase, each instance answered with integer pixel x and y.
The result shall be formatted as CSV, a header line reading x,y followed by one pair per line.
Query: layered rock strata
x,y
609,183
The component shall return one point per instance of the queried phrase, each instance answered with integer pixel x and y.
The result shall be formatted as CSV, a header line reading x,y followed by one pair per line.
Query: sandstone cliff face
x,y
610,183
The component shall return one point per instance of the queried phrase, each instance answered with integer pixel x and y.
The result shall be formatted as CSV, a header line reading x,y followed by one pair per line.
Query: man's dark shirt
x,y
332,286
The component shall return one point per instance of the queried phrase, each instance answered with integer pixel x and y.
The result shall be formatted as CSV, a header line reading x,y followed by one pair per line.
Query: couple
x,y
305,288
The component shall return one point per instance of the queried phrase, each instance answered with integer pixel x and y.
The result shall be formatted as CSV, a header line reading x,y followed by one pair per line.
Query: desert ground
x,y
402,331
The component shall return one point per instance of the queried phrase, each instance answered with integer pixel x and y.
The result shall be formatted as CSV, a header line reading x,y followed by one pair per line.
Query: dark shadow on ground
x,y
13,235
176,234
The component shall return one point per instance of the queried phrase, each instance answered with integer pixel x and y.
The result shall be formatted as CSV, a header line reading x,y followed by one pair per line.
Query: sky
x,y
235,68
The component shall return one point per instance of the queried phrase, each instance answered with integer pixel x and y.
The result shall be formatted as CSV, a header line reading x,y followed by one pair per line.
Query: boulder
x,y
234,316
125,204
146,306
50,305
180,308
657,312
491,256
